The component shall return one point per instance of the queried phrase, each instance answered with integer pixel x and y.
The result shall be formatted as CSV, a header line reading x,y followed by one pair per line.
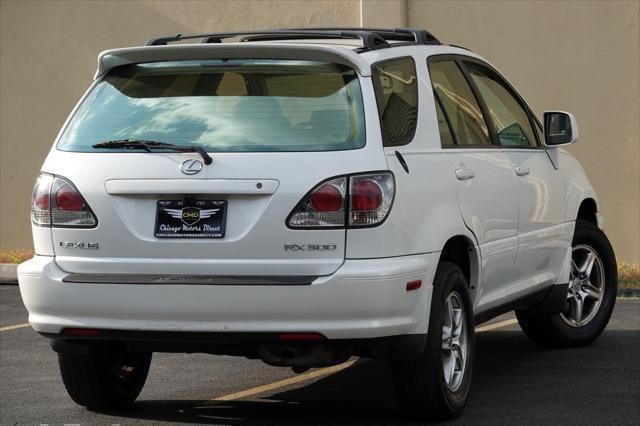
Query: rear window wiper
x,y
150,146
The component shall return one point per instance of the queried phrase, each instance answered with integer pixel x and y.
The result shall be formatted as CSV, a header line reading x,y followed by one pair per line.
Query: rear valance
x,y
339,55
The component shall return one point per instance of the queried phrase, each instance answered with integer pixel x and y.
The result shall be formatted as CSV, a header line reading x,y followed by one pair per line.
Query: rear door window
x,y
459,104
224,105
397,97
446,136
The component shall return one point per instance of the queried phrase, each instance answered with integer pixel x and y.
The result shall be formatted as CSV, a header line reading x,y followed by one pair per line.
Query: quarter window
x,y
508,116
459,104
397,96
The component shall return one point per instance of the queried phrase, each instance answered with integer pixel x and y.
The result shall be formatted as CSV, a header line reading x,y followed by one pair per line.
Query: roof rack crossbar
x,y
370,40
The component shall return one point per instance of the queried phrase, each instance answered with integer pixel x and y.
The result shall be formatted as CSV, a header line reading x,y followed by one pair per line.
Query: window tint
x,y
509,117
459,104
231,84
446,138
397,96
240,105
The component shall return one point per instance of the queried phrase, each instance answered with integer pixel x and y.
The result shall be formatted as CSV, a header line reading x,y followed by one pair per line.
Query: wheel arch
x,y
588,211
581,199
461,251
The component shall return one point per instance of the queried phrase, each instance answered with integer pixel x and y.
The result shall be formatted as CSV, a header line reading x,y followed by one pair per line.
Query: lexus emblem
x,y
191,167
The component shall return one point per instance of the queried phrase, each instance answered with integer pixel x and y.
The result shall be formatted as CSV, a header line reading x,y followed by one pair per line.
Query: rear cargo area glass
x,y
224,106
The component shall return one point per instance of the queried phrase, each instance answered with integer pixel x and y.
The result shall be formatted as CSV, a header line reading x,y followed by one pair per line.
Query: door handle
x,y
521,170
462,173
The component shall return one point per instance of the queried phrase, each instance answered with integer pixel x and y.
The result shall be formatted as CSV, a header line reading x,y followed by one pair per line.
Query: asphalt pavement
x,y
515,382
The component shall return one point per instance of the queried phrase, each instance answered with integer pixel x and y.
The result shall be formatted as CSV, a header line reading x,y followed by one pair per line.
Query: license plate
x,y
191,219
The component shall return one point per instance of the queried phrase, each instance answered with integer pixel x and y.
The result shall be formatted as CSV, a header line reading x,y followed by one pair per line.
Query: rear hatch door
x,y
275,129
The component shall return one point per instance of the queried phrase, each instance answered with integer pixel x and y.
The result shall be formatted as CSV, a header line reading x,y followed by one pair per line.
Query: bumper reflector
x,y
414,285
301,336
81,332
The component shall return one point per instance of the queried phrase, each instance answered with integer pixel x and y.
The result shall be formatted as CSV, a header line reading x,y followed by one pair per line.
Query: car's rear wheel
x,y
105,378
436,386
590,298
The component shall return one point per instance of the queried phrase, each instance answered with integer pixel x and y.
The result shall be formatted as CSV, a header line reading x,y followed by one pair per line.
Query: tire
x,y
561,330
105,378
422,389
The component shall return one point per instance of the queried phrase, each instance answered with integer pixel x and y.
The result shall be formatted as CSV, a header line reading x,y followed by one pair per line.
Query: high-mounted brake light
x,y
354,201
56,202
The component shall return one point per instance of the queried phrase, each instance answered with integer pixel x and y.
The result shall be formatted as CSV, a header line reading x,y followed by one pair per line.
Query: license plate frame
x,y
191,219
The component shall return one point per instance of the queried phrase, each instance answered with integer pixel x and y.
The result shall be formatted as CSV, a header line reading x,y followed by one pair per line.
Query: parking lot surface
x,y
515,382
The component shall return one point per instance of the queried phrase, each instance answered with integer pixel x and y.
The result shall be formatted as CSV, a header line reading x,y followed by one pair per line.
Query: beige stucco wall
x,y
580,56
48,52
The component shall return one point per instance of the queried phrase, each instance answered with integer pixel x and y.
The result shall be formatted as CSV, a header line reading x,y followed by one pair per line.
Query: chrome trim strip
x,y
196,186
188,279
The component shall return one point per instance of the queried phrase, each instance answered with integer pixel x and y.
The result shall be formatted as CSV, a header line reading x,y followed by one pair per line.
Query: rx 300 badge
x,y
310,247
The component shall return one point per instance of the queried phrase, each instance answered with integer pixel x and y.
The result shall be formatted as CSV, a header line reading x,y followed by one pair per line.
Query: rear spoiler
x,y
133,55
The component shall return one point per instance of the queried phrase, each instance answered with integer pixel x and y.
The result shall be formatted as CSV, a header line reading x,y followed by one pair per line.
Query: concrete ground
x,y
515,382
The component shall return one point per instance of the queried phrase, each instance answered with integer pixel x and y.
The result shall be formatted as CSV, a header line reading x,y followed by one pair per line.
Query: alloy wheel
x,y
454,342
586,286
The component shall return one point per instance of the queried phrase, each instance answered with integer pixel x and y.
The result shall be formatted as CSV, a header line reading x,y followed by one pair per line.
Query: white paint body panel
x,y
123,188
489,207
543,239
519,228
364,299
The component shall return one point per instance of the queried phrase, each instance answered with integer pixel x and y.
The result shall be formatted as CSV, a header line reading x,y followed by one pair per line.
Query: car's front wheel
x,y
436,386
590,298
106,377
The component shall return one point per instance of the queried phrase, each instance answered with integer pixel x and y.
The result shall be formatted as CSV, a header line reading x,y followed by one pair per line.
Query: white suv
x,y
304,196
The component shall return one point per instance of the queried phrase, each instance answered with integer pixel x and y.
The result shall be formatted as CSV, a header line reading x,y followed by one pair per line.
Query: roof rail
x,y
416,36
460,47
371,38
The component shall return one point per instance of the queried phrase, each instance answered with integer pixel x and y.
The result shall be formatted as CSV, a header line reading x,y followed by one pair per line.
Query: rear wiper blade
x,y
150,146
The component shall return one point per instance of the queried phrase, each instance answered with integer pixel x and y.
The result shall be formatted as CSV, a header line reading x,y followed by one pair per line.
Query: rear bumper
x,y
251,345
364,299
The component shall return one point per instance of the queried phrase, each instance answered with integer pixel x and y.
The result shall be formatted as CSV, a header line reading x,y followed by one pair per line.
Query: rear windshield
x,y
224,105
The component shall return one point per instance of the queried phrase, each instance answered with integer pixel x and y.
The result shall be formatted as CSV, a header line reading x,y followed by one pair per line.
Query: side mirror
x,y
560,128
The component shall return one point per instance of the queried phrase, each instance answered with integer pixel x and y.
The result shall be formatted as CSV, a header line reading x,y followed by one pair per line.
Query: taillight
x,y
40,201
327,198
56,202
67,198
366,195
324,206
356,200
371,197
